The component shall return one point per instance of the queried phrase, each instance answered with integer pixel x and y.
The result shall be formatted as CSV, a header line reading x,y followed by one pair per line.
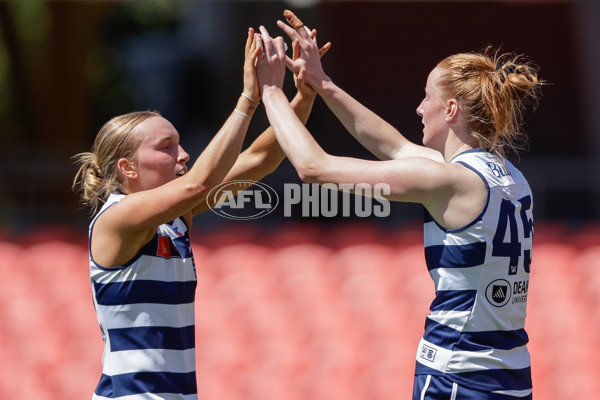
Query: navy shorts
x,y
432,387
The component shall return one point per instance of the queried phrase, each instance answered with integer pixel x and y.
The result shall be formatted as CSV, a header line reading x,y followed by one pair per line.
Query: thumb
x,y
302,74
301,83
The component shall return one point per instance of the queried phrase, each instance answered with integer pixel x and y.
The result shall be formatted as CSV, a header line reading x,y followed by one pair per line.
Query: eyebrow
x,y
164,139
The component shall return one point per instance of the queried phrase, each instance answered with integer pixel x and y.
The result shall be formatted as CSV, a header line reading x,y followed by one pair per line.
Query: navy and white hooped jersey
x,y
474,334
146,313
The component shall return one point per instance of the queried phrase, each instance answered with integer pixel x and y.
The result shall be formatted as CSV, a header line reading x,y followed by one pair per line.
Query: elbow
x,y
313,168
197,190
198,187
309,173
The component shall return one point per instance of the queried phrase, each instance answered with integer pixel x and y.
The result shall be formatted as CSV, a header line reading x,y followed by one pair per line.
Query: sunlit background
x,y
287,307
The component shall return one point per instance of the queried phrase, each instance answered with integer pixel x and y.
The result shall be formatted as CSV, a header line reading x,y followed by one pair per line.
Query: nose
x,y
420,110
182,155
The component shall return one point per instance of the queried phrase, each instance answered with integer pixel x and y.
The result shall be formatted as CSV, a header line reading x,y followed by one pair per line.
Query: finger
x,y
252,40
267,41
291,32
295,49
324,49
313,36
291,64
249,41
256,52
280,46
259,43
292,19
301,75
264,32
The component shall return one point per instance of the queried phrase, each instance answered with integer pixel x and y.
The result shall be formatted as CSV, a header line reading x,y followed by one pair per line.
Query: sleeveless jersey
x,y
146,313
474,334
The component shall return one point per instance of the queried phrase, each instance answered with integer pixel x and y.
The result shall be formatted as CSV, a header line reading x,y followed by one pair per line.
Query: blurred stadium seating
x,y
302,313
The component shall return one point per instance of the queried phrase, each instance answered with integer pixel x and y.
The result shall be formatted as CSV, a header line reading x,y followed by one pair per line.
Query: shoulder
x,y
462,198
493,169
110,245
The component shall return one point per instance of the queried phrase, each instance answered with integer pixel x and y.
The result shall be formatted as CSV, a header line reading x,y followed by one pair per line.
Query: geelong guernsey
x,y
474,334
146,313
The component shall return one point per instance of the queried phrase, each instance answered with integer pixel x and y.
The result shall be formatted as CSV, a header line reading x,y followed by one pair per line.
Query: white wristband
x,y
250,98
243,114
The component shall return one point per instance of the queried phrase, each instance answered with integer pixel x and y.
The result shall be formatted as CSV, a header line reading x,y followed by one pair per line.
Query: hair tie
x,y
505,71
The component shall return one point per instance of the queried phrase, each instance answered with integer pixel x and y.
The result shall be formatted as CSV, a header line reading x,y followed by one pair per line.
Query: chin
x,y
429,142
425,142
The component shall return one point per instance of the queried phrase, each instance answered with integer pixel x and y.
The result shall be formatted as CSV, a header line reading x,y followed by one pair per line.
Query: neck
x,y
458,141
455,147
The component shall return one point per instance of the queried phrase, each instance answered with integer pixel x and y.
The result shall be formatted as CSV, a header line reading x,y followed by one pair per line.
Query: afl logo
x,y
498,293
242,200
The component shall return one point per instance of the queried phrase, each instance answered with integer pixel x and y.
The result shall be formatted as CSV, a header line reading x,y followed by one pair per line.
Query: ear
x,y
127,168
452,110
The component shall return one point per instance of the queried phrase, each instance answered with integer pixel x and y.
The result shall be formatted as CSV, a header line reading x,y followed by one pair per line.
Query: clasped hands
x,y
305,62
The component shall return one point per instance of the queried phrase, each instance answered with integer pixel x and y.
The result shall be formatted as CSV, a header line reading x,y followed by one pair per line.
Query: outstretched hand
x,y
300,77
309,54
251,53
271,64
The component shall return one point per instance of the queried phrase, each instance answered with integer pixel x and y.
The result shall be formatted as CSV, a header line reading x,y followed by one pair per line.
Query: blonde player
x,y
141,264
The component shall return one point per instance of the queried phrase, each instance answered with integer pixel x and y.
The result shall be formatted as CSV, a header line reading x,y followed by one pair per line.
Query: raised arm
x,y
124,228
264,155
375,134
436,185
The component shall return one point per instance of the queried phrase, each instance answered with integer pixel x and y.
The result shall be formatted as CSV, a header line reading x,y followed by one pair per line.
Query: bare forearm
x,y
219,156
296,142
302,105
375,134
264,155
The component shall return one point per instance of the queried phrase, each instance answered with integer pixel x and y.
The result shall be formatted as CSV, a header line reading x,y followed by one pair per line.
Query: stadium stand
x,y
302,313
